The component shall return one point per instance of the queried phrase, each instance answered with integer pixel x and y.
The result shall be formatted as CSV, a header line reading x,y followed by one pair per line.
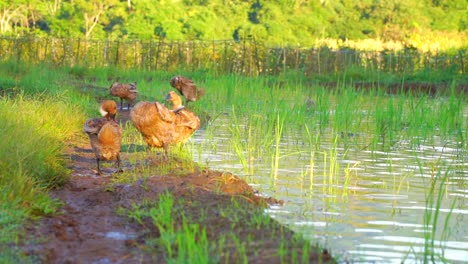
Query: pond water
x,y
365,206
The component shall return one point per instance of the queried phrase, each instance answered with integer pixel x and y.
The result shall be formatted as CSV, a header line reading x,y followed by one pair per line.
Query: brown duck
x,y
162,127
105,134
127,91
187,88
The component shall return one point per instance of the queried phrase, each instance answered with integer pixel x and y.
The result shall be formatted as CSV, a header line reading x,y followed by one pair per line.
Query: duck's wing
x,y
119,89
133,87
110,134
188,119
94,125
187,82
165,114
182,83
147,113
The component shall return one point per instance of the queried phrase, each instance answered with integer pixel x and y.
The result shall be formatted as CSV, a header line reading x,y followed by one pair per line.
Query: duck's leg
x,y
166,151
121,104
98,166
119,167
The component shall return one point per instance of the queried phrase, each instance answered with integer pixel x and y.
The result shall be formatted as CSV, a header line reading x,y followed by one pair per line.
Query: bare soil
x,y
89,229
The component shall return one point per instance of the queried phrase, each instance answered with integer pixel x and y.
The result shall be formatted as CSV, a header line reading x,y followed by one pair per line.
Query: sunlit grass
x,y
186,235
182,242
372,119
34,130
39,115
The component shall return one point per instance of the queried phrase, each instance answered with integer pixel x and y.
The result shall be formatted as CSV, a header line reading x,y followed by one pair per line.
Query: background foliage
x,y
277,22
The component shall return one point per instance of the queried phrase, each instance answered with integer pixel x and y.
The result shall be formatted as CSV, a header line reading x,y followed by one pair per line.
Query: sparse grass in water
x,y
276,156
434,199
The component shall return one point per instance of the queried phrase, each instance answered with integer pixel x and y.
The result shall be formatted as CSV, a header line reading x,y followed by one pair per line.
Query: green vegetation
x,y
46,106
344,110
44,101
193,240
282,22
434,200
326,63
37,119
185,243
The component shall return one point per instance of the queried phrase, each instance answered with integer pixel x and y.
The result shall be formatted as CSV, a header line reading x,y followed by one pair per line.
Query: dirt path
x,y
87,228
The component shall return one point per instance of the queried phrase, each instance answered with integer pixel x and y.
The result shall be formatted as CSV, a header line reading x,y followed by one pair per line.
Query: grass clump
x,y
34,131
38,117
37,130
187,234
434,199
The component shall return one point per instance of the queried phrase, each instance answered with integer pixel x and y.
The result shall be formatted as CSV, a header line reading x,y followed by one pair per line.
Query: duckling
x,y
187,88
124,91
105,135
162,127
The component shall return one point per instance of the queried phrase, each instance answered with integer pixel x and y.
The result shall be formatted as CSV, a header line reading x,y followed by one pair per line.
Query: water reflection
x,y
372,210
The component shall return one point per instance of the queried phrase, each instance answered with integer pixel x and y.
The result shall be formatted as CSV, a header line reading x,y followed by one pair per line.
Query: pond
x,y
366,206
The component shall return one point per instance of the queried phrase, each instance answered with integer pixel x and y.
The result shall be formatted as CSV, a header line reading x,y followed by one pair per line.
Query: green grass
x,y
38,116
184,231
35,131
389,119
183,241
434,199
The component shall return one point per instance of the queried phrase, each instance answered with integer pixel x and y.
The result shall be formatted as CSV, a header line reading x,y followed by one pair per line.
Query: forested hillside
x,y
277,22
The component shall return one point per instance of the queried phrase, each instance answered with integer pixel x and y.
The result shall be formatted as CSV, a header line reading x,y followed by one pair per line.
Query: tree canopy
x,y
276,22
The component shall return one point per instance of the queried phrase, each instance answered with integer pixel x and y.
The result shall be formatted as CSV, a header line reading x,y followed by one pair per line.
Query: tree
x,y
276,22
12,16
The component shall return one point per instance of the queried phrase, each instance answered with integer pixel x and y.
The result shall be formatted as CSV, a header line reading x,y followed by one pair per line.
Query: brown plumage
x,y
162,127
187,88
127,91
105,135
310,104
108,109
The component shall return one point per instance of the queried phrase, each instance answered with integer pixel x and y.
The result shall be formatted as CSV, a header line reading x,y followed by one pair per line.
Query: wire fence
x,y
246,57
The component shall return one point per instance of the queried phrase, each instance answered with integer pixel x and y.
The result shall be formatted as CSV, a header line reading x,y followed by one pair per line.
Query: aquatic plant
x,y
434,198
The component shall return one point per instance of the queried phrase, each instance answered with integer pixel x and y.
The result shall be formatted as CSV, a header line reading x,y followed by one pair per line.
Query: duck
x,y
310,103
108,109
162,127
187,88
127,91
186,121
105,135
